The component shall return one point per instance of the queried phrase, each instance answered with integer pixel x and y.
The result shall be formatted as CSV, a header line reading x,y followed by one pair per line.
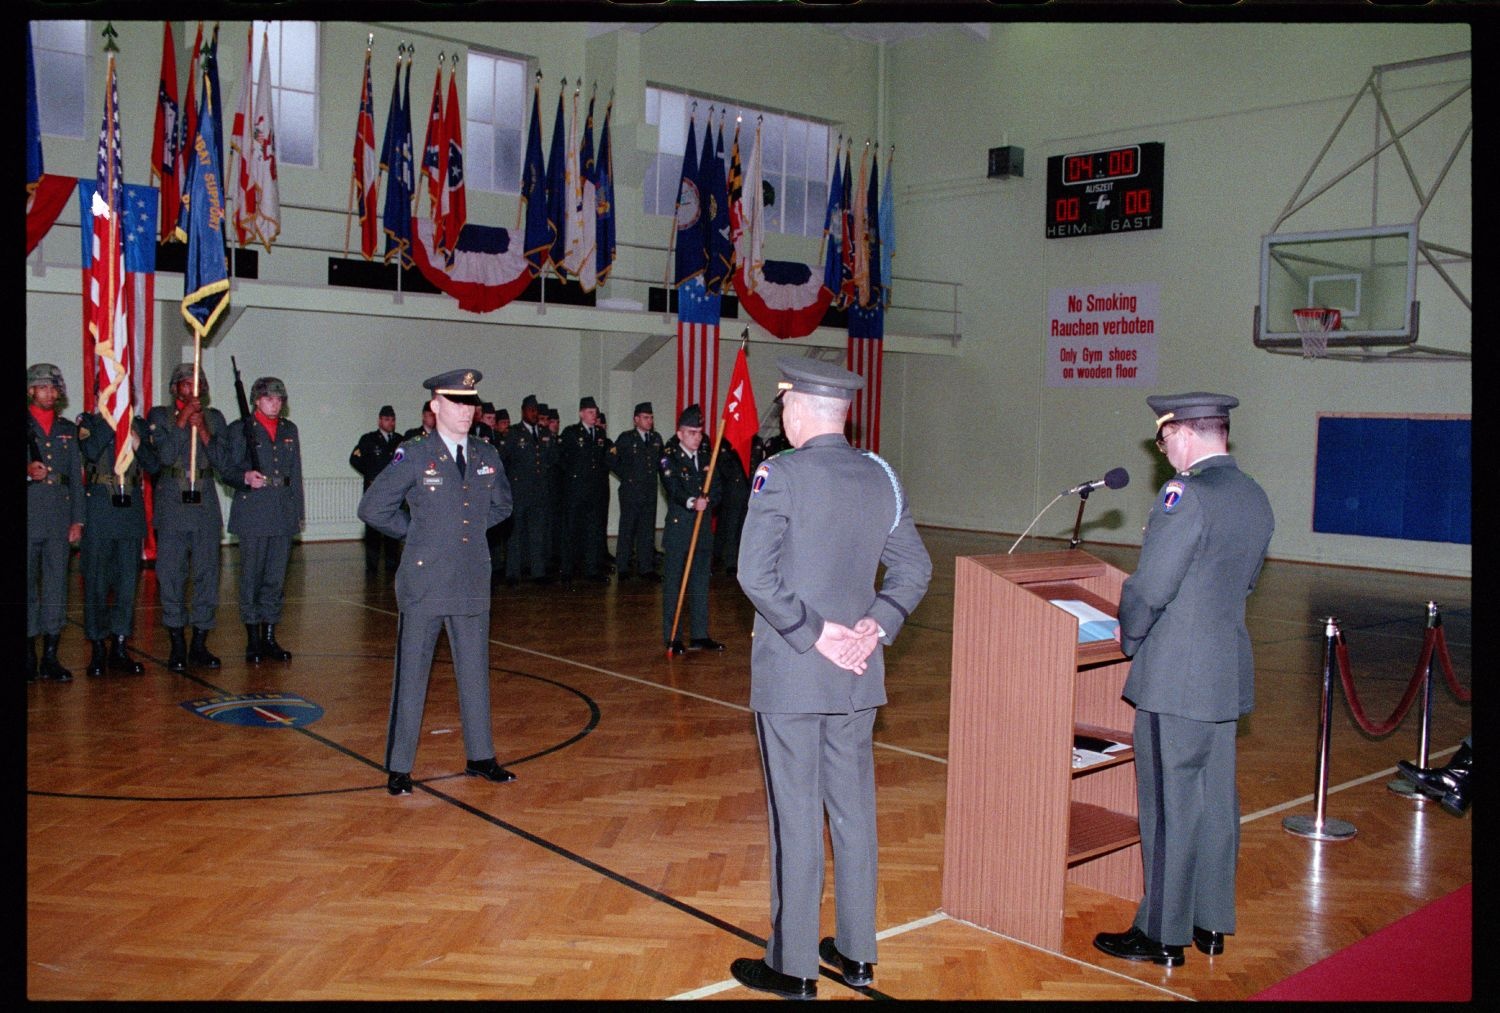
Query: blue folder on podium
x,y
1093,624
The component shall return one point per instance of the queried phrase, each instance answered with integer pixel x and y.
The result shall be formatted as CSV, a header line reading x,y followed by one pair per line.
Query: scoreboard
x,y
1111,190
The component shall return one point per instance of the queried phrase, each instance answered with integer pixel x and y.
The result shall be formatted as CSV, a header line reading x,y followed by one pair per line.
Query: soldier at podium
x,y
1182,622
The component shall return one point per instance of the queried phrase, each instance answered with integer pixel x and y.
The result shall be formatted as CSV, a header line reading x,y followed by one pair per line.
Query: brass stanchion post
x,y
1318,826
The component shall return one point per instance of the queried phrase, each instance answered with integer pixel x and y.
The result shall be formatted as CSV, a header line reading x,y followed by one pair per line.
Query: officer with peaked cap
x,y
369,457
454,488
634,458
188,527
54,517
823,518
530,453
583,453
684,470
1182,623
268,509
112,536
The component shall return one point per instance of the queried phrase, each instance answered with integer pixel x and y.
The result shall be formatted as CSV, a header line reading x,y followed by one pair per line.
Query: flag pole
x,y
708,481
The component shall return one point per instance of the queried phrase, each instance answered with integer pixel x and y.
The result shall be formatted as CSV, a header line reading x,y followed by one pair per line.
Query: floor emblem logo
x,y
257,710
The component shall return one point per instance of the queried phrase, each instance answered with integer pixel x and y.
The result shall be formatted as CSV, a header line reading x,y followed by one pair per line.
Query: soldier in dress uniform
x,y
485,427
479,427
429,420
267,510
823,518
369,458
188,532
583,453
454,489
54,517
634,459
112,537
557,510
731,515
1192,676
530,454
683,468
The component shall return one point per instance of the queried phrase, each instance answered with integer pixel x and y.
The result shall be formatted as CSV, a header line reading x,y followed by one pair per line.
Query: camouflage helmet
x,y
267,385
184,371
45,374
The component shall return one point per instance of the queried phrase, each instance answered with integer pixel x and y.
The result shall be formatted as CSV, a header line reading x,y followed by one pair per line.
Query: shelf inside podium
x,y
1095,831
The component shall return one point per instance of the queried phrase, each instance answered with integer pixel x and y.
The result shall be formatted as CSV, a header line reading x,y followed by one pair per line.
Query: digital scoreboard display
x,y
1090,193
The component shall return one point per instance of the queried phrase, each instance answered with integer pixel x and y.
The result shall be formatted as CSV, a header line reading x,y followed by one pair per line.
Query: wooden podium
x,y
1021,821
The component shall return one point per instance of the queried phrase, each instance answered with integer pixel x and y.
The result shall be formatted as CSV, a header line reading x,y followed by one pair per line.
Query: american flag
x,y
107,325
698,349
366,167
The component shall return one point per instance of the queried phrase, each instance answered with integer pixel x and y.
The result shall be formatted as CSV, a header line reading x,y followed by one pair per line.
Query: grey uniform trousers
x,y
814,762
109,564
1190,825
174,546
468,642
46,586
263,560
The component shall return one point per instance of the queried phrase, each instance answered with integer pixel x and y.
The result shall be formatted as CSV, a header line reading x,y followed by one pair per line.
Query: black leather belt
x,y
177,471
105,478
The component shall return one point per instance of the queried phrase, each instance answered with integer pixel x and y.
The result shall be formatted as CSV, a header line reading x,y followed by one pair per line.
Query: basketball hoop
x,y
1315,323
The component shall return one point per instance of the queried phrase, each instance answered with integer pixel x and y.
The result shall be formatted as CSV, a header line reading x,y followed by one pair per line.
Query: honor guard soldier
x,y
267,510
112,537
583,453
54,517
454,489
823,518
683,468
185,510
530,454
369,458
634,459
1192,676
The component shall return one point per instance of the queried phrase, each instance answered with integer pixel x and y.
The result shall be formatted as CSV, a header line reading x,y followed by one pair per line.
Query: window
x,y
796,156
495,124
61,50
294,86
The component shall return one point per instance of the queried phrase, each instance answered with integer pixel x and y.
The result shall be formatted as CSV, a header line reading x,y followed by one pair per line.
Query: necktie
x,y
460,460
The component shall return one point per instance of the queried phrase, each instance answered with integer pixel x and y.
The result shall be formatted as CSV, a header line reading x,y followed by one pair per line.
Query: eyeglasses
x,y
1161,438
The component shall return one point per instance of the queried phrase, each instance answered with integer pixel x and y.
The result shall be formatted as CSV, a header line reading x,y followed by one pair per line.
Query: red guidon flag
x,y
366,180
741,420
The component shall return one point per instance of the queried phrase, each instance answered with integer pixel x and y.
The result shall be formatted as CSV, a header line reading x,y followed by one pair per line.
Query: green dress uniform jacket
x,y
584,459
1182,622
530,460
443,581
822,519
52,506
634,459
682,476
112,534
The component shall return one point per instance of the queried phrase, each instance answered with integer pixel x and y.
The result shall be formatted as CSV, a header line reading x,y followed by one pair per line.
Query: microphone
x,y
1115,478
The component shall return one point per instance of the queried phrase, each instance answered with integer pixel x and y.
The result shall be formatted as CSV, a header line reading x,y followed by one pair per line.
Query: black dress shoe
x,y
399,783
762,977
1136,945
676,649
854,972
705,644
1211,943
489,770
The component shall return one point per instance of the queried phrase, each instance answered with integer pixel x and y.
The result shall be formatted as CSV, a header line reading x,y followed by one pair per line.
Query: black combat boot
x,y
31,673
96,660
49,667
274,651
254,648
198,654
119,661
177,658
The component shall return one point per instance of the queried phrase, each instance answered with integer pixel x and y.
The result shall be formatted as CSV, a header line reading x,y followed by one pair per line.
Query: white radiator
x,y
332,508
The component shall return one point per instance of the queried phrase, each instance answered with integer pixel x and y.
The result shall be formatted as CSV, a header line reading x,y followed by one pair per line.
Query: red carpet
x,y
1428,956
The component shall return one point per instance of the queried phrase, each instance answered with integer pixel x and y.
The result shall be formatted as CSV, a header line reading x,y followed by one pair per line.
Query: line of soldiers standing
x,y
75,496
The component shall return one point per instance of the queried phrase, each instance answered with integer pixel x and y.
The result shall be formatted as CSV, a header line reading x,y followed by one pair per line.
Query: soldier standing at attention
x,y
583,452
187,531
454,489
429,420
54,517
731,513
530,453
634,459
369,458
683,468
1182,624
822,520
112,536
267,510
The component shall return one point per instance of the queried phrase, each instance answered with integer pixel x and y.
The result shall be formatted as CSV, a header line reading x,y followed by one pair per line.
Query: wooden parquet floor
x,y
173,857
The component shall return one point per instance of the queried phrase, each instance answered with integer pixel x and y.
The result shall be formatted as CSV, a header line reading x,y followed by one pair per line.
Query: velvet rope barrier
x,y
1341,651
1443,656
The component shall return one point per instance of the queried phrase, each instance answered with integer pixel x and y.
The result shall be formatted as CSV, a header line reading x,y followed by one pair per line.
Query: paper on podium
x,y
1093,624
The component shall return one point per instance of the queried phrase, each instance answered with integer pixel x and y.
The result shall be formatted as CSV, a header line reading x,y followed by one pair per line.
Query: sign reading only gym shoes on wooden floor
x,y
257,710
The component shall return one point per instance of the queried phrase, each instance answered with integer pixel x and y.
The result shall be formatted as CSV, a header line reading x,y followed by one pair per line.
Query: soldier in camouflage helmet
x,y
54,517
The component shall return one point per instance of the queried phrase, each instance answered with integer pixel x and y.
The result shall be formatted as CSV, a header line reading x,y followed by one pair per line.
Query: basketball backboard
x,y
1369,275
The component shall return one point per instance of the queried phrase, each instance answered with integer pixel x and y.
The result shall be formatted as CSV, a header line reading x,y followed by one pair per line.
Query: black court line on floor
x,y
571,856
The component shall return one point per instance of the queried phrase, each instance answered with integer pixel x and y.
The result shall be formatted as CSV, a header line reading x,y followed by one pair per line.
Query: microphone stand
x,y
1083,498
